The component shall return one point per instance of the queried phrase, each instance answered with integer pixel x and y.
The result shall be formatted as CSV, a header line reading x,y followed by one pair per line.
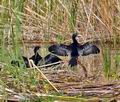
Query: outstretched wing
x,y
87,49
60,49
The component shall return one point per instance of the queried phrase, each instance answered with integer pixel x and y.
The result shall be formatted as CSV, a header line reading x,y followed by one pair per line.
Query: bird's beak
x,y
78,38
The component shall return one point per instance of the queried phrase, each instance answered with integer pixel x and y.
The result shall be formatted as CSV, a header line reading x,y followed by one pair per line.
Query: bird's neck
x,y
75,41
36,53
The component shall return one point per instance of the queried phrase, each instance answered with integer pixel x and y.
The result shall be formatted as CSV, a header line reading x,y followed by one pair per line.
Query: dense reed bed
x,y
25,23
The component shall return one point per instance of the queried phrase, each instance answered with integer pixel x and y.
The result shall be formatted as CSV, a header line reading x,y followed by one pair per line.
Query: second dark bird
x,y
37,59
48,59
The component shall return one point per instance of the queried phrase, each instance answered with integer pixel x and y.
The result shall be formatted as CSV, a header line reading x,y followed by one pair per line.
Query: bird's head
x,y
75,38
36,49
74,35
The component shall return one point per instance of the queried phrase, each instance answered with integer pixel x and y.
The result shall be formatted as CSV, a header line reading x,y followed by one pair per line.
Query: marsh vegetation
x,y
25,24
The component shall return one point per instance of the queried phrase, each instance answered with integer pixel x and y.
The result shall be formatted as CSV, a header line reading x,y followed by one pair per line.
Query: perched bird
x,y
74,50
37,59
48,59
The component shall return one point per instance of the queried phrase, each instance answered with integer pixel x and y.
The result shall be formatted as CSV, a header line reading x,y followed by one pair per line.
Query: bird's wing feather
x,y
87,49
50,58
60,49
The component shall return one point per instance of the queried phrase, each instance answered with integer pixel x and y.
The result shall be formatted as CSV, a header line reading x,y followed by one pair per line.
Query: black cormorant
x,y
75,49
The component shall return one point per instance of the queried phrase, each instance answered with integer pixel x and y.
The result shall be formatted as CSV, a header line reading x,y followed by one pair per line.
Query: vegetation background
x,y
40,21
